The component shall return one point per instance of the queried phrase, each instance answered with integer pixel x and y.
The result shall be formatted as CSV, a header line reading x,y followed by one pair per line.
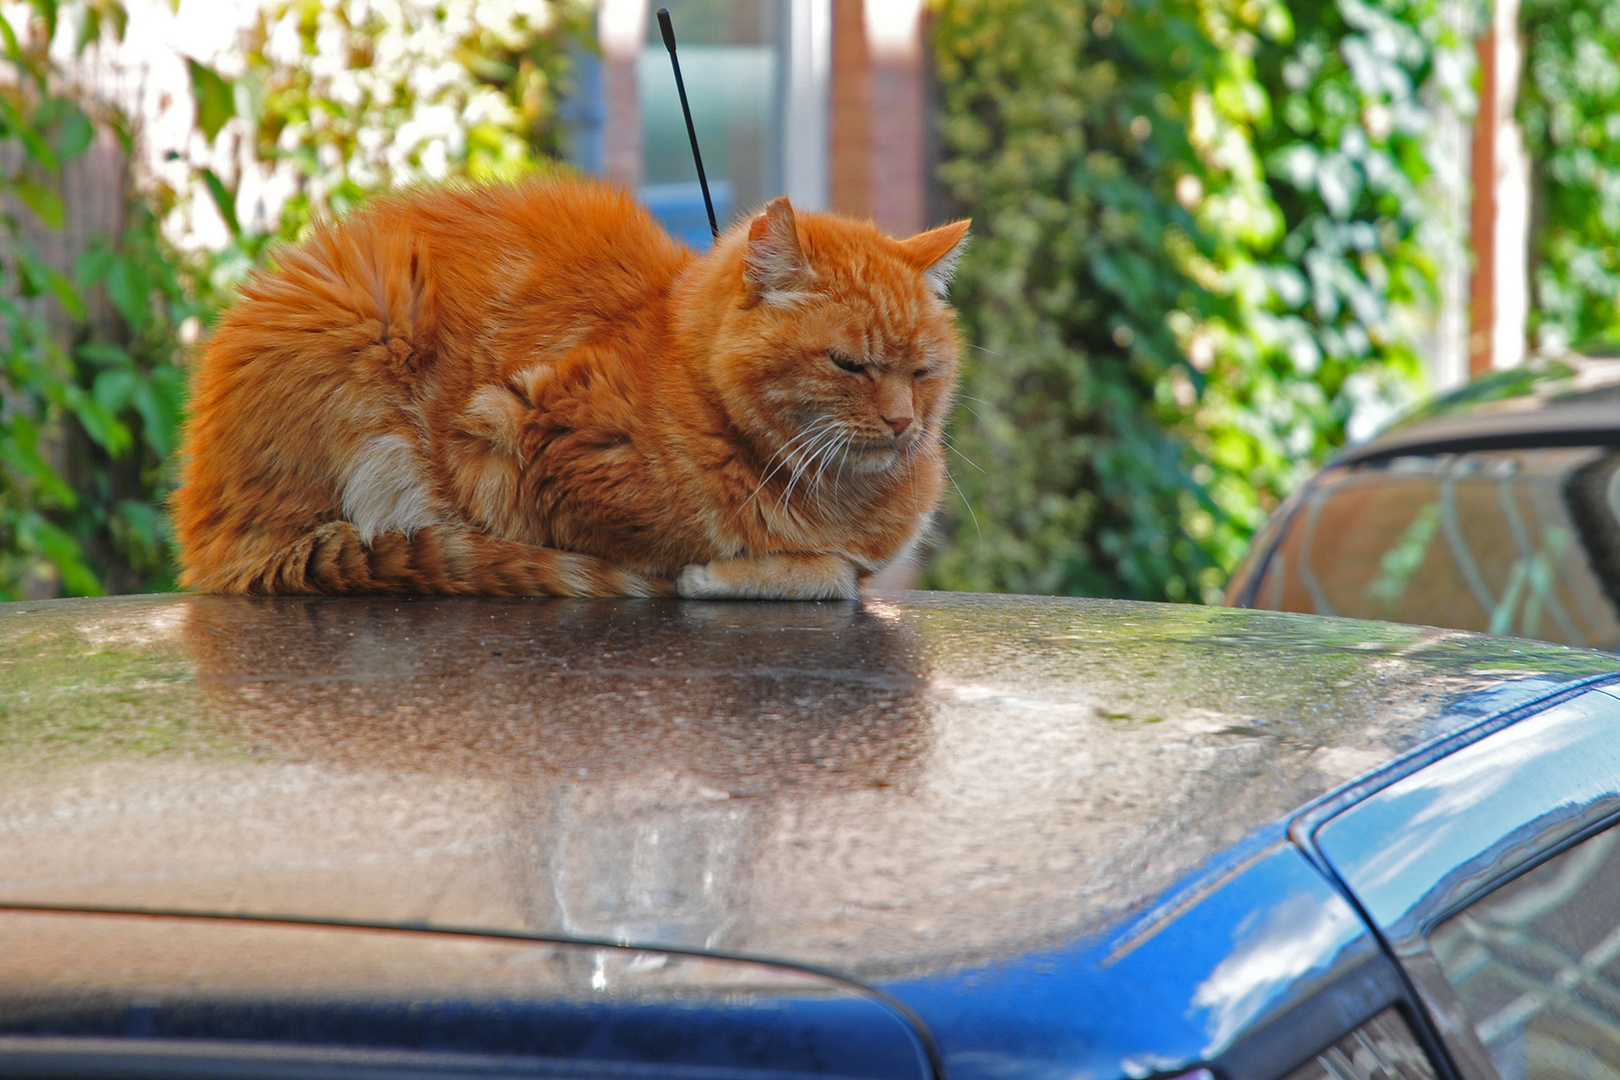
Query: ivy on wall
x,y
1204,246
1065,130
1328,119
1569,111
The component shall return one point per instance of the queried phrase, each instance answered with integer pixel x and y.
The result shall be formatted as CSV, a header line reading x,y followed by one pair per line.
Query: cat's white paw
x,y
700,583
769,578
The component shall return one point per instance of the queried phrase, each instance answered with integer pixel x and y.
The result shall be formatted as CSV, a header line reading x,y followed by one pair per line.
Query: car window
x,y
1536,966
1522,542
1383,1048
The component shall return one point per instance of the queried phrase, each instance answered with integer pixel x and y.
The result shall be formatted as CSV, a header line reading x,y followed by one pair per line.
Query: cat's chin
x,y
876,457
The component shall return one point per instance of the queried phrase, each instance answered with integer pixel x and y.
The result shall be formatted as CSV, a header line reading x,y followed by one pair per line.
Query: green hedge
x,y
89,415
1202,246
1205,244
1569,109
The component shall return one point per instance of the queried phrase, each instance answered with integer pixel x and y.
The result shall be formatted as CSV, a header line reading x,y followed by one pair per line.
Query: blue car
x,y
915,837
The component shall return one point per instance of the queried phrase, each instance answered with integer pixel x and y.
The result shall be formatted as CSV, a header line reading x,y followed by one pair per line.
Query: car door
x,y
125,995
1493,875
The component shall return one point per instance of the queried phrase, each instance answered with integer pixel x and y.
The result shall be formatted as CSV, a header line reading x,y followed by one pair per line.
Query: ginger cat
x,y
534,390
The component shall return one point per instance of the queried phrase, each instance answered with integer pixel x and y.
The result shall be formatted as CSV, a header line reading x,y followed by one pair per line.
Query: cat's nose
x,y
898,424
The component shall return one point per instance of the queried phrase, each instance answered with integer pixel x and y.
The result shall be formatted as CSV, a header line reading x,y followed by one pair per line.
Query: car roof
x,y
1573,400
911,784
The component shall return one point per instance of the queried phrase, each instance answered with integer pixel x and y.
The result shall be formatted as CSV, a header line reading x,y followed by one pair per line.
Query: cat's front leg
x,y
770,577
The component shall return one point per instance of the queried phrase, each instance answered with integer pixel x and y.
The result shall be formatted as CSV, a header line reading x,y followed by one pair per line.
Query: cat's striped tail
x,y
440,560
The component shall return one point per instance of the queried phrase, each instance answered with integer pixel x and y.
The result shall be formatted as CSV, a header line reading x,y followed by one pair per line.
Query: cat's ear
x,y
937,251
774,266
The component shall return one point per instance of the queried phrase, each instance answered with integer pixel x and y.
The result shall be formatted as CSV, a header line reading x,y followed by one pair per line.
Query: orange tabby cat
x,y
534,390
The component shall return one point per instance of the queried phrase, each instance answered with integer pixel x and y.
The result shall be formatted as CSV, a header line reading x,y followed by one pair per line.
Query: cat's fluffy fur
x,y
535,390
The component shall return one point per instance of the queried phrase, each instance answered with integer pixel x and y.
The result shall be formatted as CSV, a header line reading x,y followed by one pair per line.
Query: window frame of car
x,y
1523,816
1447,426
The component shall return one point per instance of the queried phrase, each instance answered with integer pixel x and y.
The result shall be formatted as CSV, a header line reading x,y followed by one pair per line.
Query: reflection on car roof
x,y
911,784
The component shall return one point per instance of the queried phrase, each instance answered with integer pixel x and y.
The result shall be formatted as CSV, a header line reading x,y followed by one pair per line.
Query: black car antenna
x,y
667,28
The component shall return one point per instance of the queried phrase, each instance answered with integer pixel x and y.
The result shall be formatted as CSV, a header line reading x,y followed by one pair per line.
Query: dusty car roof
x,y
912,784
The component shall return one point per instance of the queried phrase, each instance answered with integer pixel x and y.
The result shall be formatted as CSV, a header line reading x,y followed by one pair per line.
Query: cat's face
x,y
842,354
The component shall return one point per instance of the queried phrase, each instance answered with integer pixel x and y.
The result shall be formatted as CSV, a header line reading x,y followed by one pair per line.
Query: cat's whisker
x,y
816,466
961,399
783,452
826,456
964,498
958,452
806,458
840,447
823,455
838,477
911,467
795,447
813,485
800,458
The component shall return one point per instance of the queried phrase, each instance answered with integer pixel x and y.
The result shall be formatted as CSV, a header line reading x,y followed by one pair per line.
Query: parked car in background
x,y
1495,508
918,837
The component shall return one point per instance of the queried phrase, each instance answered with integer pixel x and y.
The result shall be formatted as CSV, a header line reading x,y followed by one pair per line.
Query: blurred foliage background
x,y
92,387
1569,110
1205,251
1202,248
328,101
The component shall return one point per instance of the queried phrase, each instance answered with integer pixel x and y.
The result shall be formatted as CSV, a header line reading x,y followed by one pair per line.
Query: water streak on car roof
x,y
915,783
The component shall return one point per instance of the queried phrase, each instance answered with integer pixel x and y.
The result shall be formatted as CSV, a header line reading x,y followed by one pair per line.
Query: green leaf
x,y
39,151
104,354
44,278
93,263
19,448
100,424
158,401
89,29
77,134
224,199
215,101
13,49
49,112
39,537
29,283
129,287
113,389
345,196
66,295
44,202
114,12
47,9
140,525
144,518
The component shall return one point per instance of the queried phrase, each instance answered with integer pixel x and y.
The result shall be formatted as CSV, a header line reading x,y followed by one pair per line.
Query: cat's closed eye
x,y
846,363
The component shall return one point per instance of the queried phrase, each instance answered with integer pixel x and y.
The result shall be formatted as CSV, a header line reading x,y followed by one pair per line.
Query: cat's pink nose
x,y
898,424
